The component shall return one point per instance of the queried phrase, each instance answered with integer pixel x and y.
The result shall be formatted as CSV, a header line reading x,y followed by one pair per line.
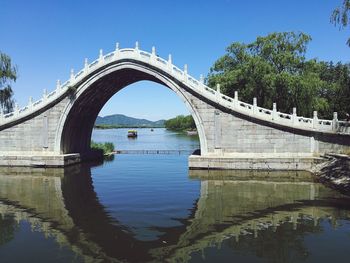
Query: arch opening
x,y
78,119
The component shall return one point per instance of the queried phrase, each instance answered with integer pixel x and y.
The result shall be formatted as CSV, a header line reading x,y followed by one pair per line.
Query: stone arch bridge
x,y
56,130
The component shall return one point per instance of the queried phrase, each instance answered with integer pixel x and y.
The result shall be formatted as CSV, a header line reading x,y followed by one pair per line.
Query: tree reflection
x,y
281,244
8,227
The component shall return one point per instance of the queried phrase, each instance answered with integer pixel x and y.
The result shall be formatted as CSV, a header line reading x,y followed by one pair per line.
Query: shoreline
x,y
335,172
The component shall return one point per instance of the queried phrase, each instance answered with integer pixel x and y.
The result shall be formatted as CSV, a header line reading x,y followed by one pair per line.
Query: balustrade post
x,y
201,79
170,60
30,103
335,123
100,57
185,73
218,88
86,65
153,54
71,76
255,105
170,63
315,120
294,116
1,114
116,52
44,94
274,111
16,111
218,93
137,49
235,99
58,85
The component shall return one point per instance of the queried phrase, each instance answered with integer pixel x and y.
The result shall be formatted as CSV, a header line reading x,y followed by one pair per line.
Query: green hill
x,y
119,120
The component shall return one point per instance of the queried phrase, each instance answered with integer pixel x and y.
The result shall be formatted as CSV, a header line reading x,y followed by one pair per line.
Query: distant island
x,y
122,121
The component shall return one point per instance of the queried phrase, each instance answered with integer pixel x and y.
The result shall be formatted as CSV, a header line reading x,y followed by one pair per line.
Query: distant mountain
x,y
125,121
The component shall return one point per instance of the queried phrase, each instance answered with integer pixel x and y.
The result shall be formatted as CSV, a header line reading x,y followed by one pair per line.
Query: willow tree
x,y
8,74
340,16
273,68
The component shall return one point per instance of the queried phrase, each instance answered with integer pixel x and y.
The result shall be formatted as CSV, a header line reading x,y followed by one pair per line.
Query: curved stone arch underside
x,y
78,117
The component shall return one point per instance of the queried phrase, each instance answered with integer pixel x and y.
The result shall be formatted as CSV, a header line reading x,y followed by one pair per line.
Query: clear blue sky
x,y
48,38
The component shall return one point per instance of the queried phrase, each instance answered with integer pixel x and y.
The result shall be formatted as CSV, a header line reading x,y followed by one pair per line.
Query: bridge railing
x,y
252,110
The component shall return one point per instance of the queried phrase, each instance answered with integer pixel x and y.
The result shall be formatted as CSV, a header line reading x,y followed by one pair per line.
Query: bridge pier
x,y
40,160
253,162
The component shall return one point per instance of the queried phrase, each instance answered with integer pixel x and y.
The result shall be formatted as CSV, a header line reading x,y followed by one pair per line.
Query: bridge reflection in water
x,y
62,204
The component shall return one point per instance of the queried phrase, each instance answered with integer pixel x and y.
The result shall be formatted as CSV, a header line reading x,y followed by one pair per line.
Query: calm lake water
x,y
151,208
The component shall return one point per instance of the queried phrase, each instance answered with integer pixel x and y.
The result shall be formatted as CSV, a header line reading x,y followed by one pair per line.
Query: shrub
x,y
107,147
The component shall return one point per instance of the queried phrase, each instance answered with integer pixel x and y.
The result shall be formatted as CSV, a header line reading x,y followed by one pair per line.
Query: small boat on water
x,y
152,129
132,133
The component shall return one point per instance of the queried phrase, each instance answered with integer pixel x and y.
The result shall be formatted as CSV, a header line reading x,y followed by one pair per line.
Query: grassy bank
x,y
107,147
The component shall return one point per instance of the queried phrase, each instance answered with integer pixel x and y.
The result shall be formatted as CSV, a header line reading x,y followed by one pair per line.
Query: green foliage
x,y
8,227
8,73
274,69
340,16
180,123
336,88
107,147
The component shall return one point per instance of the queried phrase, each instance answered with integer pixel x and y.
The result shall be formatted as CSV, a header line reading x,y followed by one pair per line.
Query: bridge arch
x,y
78,117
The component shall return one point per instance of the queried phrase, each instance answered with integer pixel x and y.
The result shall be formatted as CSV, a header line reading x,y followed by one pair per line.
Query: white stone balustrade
x,y
290,120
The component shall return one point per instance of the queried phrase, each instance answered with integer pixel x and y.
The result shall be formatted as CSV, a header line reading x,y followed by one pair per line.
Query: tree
x,y
8,73
180,123
337,88
272,69
340,16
